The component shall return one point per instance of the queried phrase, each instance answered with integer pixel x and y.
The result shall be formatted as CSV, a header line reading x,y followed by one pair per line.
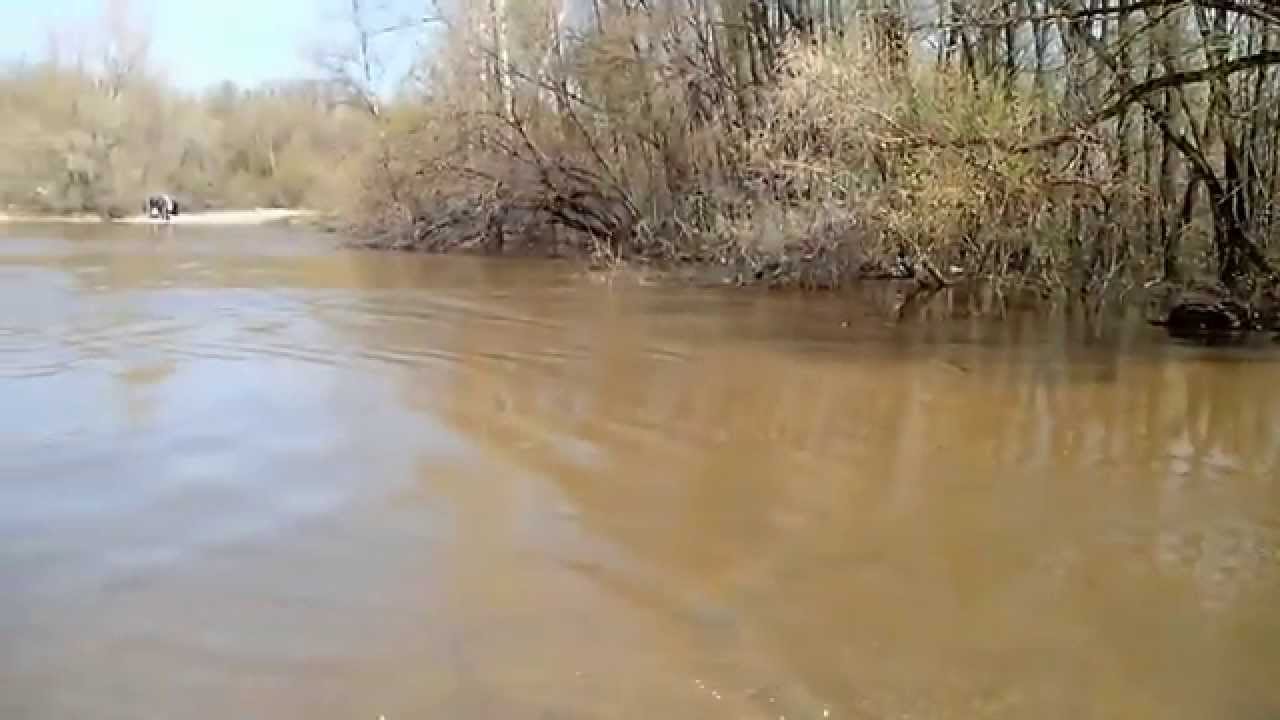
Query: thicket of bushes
x,y
1082,146
77,140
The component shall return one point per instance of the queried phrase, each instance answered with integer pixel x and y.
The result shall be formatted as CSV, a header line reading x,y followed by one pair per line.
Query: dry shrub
x,y
596,148
76,143
628,144
939,170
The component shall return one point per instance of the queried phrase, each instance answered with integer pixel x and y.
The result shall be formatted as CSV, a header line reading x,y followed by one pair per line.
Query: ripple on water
x,y
31,354
289,472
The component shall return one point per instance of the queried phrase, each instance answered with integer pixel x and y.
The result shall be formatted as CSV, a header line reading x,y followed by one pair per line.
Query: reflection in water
x,y
245,475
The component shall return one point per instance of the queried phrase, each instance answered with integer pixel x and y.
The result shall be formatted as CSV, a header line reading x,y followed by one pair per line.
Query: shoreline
x,y
1209,317
256,216
1195,312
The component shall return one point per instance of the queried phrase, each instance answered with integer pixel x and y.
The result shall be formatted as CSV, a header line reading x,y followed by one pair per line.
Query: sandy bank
x,y
259,216
50,219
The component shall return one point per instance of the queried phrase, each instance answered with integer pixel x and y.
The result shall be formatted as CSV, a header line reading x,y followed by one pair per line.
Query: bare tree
x,y
354,65
126,45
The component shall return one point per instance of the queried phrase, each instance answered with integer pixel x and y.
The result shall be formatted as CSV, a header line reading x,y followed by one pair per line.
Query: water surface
x,y
246,475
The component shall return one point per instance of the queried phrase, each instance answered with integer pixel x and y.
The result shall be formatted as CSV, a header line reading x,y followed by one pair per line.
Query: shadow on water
x,y
297,481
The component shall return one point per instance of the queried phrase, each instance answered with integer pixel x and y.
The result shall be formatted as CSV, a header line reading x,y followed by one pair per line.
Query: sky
x,y
198,43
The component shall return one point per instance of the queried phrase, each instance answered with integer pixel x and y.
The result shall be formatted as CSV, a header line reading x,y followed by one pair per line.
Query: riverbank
x,y
1198,309
256,216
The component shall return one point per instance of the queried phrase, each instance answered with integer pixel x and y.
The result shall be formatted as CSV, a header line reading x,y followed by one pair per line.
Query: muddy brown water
x,y
246,475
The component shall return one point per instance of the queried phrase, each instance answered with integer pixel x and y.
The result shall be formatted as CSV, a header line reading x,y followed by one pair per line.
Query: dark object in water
x,y
160,206
1205,319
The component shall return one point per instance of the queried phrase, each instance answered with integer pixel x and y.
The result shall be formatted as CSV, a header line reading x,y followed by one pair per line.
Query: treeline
x,y
1085,145
96,138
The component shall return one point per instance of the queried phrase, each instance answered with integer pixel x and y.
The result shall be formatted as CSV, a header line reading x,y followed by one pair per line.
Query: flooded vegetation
x,y
244,475
1082,151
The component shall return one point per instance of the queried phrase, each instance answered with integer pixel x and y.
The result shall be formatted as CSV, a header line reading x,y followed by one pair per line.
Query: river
x,y
246,475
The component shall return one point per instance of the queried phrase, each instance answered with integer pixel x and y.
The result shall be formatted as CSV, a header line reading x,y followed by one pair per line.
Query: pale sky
x,y
198,42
